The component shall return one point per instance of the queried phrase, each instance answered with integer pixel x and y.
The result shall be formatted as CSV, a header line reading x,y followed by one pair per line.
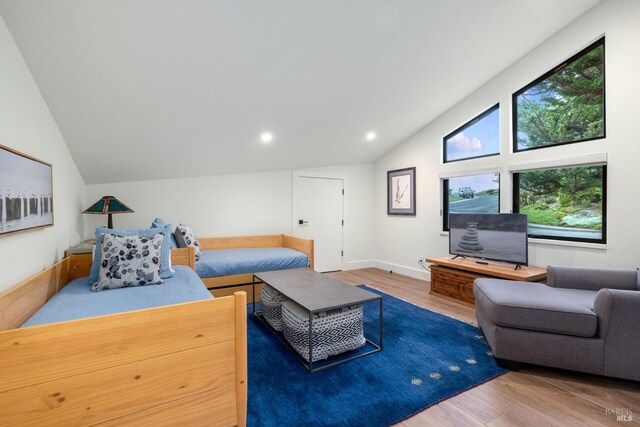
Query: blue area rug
x,y
427,357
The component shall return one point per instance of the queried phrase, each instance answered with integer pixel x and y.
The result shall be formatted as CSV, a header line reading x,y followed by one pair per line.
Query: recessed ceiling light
x,y
266,137
370,136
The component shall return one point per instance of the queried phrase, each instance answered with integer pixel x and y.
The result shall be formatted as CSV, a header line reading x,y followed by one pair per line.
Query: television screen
x,y
497,237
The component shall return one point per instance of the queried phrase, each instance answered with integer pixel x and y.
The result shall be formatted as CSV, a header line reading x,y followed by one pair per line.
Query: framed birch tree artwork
x,y
401,192
26,192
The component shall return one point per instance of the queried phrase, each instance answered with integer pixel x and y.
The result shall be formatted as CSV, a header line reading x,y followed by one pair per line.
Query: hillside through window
x,y
470,194
563,204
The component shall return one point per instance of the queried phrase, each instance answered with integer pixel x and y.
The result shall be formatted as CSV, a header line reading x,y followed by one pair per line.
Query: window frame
x,y
445,195
514,99
515,179
465,126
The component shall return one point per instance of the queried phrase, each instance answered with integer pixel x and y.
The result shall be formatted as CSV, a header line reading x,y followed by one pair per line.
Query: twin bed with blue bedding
x,y
125,356
77,301
227,264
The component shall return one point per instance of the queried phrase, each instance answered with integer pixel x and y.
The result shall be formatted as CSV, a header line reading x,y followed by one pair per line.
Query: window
x,y
563,106
563,204
479,137
474,193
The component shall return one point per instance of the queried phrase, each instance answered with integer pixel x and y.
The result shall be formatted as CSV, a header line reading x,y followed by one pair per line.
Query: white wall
x,y
238,205
26,125
400,240
219,205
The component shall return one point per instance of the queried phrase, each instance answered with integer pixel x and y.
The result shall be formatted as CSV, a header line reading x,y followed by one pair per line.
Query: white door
x,y
320,217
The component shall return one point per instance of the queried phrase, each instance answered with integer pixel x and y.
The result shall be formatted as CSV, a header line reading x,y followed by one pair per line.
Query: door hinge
x,y
341,253
343,191
343,222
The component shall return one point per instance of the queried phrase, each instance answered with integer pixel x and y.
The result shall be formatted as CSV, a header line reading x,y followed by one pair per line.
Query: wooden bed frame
x,y
180,364
227,285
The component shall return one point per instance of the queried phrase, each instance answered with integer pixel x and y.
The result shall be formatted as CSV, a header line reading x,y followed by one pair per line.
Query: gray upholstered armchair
x,y
584,319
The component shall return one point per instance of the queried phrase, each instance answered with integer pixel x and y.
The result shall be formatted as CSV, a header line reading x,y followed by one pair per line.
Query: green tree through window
x,y
565,105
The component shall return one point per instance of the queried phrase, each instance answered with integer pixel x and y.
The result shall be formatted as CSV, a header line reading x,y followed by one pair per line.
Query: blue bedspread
x,y
225,262
77,301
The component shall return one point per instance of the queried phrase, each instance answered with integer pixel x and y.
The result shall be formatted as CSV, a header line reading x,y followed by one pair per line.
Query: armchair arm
x,y
617,312
591,279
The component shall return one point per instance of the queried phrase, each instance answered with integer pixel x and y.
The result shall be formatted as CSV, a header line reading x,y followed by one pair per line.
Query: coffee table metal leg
x,y
253,291
381,324
310,342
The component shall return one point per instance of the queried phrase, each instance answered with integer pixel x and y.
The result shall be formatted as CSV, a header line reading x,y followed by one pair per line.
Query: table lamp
x,y
108,205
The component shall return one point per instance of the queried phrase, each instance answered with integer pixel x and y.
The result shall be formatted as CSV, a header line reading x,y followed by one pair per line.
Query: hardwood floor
x,y
533,396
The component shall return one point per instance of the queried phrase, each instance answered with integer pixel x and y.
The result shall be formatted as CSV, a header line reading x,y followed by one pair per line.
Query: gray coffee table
x,y
316,292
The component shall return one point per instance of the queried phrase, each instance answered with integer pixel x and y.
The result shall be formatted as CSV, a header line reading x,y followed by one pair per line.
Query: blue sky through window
x,y
481,138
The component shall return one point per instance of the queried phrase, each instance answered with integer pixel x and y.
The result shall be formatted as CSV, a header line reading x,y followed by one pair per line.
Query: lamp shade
x,y
108,205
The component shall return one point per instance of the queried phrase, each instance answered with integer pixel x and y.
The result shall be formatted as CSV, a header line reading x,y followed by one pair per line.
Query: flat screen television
x,y
495,237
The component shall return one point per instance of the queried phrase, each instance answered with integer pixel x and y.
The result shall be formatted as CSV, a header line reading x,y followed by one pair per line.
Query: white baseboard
x,y
417,273
363,263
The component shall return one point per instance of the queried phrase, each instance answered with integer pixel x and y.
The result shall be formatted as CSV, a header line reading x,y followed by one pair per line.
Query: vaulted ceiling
x,y
148,89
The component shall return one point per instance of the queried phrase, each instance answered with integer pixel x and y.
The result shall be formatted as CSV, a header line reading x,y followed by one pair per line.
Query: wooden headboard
x,y
184,256
302,245
271,241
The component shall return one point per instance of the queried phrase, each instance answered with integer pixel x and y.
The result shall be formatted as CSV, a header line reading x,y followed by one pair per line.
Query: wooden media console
x,y
453,278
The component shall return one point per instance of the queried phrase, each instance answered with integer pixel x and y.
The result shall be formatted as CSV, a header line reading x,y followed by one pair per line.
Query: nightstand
x,y
85,247
81,256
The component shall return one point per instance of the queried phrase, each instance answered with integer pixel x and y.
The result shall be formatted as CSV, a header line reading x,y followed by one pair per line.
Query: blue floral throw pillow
x,y
165,262
129,261
186,238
